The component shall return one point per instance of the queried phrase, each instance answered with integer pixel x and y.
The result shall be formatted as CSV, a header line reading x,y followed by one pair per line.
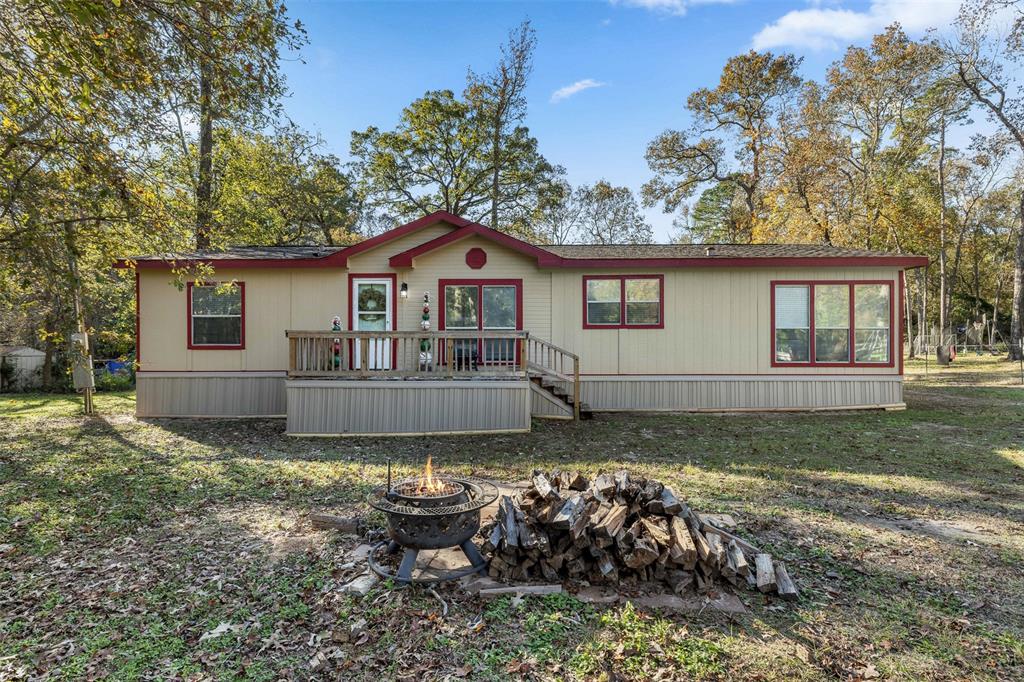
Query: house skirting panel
x,y
210,394
385,408
739,393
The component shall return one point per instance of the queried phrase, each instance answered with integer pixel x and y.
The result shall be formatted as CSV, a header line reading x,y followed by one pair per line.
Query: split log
x,y
787,588
765,573
669,502
576,481
507,519
657,531
736,560
644,553
703,548
605,485
543,487
682,542
567,513
342,524
716,550
612,521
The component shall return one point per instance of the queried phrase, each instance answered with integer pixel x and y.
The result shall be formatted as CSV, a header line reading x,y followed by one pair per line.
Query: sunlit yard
x,y
180,549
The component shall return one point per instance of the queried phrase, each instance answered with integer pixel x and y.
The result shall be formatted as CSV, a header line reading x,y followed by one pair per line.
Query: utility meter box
x,y
81,362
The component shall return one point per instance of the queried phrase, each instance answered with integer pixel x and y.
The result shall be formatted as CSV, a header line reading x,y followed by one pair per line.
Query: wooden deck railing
x,y
559,364
446,354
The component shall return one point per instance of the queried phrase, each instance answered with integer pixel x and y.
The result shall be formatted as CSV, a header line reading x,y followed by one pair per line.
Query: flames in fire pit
x,y
428,485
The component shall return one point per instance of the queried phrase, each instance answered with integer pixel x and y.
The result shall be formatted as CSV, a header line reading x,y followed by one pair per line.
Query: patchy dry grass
x,y
124,545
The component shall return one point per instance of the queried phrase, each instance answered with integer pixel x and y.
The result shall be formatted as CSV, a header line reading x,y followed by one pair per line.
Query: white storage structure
x,y
28,367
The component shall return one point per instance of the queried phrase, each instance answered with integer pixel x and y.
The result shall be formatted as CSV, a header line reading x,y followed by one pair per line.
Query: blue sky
x,y
367,60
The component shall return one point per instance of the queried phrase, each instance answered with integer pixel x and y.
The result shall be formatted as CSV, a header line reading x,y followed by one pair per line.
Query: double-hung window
x,y
216,315
623,301
832,323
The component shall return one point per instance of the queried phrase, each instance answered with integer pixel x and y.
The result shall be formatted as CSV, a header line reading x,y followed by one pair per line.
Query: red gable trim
x,y
341,257
405,258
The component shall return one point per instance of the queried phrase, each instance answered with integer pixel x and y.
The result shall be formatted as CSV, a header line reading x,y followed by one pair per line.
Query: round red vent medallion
x,y
476,258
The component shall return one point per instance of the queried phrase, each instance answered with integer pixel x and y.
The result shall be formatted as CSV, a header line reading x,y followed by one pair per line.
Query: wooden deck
x,y
440,356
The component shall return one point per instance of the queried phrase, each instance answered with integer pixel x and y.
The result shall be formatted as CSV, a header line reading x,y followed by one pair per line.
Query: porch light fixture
x,y
404,293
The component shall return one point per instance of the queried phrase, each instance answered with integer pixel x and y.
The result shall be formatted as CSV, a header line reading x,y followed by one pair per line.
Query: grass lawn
x,y
180,549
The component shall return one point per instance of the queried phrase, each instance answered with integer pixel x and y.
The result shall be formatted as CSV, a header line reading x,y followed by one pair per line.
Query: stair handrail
x,y
547,358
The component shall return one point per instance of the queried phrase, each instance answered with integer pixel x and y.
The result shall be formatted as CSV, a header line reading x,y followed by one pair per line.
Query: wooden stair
x,y
554,388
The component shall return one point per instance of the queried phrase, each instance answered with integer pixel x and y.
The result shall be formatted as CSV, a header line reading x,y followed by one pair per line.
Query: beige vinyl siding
x,y
717,321
376,259
213,394
276,299
713,393
326,408
450,263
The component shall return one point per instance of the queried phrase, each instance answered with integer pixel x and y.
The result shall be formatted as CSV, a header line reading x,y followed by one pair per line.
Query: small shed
x,y
26,365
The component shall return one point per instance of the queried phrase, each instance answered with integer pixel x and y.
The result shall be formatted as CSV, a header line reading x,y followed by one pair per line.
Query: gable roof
x,y
546,256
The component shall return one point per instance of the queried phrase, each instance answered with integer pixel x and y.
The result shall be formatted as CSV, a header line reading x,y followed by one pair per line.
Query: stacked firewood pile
x,y
619,528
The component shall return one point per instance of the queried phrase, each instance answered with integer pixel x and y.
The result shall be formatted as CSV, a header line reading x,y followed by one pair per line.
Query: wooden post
x,y
364,356
293,354
449,355
576,388
523,364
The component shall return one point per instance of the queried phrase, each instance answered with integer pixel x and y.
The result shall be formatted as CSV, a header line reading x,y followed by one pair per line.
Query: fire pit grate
x,y
444,514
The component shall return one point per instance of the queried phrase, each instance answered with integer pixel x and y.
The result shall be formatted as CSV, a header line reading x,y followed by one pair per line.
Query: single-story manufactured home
x,y
444,325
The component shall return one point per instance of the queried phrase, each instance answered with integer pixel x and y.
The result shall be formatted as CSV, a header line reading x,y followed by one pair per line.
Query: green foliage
x,y
715,215
593,214
278,189
440,158
741,113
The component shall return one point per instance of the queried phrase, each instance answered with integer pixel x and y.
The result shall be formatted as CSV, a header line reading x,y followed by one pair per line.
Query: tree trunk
x,y
943,294
908,313
495,173
48,326
1017,311
204,182
922,320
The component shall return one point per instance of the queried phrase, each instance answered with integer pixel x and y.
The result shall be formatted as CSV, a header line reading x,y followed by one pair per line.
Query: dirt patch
x,y
941,529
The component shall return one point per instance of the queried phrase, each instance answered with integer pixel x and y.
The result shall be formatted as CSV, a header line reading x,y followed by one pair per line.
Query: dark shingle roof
x,y
250,253
611,251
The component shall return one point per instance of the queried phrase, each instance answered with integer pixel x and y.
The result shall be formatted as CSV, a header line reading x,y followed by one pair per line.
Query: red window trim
x,y
622,302
350,296
188,316
810,284
442,283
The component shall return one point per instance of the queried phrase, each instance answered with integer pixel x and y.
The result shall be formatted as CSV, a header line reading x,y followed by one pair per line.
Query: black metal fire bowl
x,y
419,520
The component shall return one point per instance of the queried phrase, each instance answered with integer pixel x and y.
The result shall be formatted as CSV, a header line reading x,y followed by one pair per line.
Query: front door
x,y
372,312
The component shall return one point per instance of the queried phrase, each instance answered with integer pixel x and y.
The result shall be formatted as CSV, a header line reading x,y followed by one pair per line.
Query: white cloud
x,y
823,29
677,7
569,90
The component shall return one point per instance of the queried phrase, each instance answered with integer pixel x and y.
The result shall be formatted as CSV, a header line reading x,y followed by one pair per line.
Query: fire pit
x,y
431,512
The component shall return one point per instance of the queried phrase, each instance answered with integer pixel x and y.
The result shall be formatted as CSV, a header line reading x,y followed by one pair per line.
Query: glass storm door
x,y
481,306
372,312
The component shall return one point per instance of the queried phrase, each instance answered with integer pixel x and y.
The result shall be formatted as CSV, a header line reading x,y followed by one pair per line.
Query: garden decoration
x,y
425,348
336,346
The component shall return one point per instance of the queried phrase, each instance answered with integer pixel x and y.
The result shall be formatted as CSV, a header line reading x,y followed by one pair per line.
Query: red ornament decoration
x,y
476,258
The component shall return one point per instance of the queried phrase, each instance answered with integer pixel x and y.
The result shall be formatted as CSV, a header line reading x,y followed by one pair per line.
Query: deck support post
x,y
576,389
